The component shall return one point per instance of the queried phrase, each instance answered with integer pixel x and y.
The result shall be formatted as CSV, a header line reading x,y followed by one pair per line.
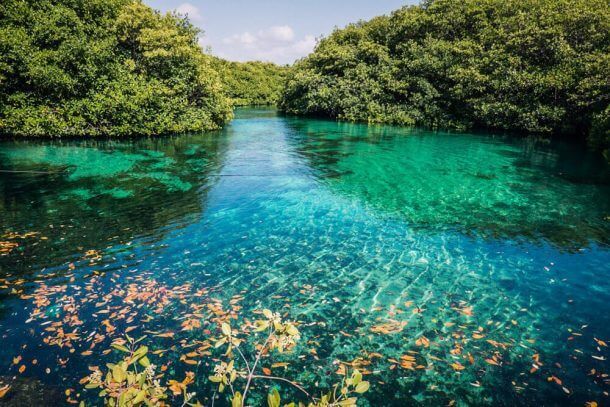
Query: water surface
x,y
494,248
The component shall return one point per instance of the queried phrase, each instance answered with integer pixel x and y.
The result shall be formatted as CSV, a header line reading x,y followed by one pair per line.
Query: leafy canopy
x,y
103,67
251,83
518,65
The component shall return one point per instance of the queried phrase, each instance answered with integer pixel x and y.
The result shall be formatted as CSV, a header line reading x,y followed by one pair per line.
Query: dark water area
x,y
495,249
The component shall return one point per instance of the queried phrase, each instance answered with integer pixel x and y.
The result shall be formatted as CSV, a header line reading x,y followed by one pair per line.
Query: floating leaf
x,y
423,341
457,366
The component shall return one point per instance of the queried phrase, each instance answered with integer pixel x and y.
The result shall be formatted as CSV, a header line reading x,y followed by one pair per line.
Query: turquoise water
x,y
495,249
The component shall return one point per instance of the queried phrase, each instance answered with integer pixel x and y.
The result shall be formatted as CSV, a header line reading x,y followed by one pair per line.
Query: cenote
x,y
495,249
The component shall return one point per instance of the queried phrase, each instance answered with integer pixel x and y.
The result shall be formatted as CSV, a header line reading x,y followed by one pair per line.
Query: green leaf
x,y
142,350
236,401
362,387
261,325
140,397
273,398
118,373
144,361
291,330
350,402
120,347
356,377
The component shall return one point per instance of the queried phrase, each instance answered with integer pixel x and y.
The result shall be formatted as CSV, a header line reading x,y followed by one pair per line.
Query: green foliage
x,y
600,132
519,65
124,385
103,68
251,83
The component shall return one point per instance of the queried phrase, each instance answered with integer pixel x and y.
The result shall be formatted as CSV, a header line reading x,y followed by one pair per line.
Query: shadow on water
x,y
99,194
493,186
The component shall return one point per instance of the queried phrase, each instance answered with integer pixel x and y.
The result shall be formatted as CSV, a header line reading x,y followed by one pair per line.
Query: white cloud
x,y
187,9
246,39
280,33
306,45
277,44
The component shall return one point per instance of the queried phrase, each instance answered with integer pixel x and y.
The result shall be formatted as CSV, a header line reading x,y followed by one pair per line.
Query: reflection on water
x,y
95,194
492,248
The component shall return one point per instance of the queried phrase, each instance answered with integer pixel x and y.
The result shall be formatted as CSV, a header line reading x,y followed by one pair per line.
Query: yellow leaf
x,y
423,341
362,387
457,366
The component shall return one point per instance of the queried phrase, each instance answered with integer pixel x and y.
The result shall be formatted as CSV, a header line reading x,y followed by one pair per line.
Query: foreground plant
x,y
124,384
134,382
283,337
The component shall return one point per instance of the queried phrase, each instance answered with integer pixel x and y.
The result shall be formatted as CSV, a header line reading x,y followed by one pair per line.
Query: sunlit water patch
x,y
448,268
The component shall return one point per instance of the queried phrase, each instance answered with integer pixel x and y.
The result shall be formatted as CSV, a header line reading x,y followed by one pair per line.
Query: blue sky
x,y
280,31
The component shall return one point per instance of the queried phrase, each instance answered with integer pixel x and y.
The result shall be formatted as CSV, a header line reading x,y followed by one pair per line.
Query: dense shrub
x,y
251,83
520,65
103,67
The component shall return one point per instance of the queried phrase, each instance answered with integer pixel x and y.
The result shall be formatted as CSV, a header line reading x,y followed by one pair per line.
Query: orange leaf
x,y
492,362
4,390
457,366
267,371
22,369
423,341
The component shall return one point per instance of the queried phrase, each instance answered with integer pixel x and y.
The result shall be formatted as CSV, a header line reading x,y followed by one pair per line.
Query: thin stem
x,y
244,358
250,375
284,380
131,352
184,398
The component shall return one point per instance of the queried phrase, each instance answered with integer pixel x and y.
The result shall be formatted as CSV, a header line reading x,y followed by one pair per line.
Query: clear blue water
x,y
492,245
